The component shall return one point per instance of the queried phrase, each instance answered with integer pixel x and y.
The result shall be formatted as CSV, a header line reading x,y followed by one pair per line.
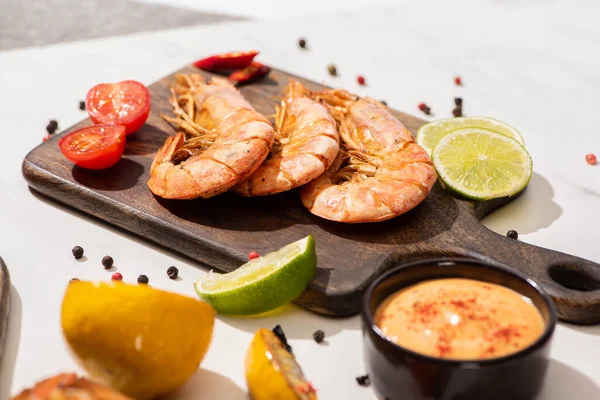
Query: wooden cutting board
x,y
219,232
4,305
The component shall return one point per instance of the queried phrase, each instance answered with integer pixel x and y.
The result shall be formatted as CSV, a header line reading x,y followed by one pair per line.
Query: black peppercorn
x,y
143,280
77,252
107,262
172,272
302,43
458,101
278,331
457,112
512,234
427,110
52,126
383,102
363,380
319,336
332,70
82,105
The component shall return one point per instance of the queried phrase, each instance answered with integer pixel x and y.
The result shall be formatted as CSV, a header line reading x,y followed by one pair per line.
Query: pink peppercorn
x,y
116,276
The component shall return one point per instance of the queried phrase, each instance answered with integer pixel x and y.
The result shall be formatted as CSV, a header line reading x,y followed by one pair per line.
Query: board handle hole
x,y
573,277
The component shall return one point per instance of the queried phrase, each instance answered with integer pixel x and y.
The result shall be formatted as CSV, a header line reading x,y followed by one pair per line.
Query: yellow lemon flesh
x,y
272,373
140,341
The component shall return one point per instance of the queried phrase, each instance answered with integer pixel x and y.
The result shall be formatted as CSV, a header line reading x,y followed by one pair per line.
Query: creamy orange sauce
x,y
460,319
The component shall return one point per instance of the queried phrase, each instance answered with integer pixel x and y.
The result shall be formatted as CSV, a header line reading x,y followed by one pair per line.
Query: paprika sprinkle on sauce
x,y
460,319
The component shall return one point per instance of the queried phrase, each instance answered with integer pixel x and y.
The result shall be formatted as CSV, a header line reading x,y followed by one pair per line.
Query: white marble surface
x,y
535,66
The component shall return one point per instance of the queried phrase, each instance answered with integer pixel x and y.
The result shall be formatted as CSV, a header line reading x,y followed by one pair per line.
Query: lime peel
x,y
262,284
429,134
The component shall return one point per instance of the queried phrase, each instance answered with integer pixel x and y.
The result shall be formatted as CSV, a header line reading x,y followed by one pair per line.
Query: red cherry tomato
x,y
95,147
125,103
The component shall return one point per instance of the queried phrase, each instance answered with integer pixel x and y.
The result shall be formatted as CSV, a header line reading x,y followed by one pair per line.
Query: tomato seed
x,y
591,159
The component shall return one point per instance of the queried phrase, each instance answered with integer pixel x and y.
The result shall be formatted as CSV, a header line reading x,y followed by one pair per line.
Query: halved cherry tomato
x,y
226,61
253,71
125,103
94,147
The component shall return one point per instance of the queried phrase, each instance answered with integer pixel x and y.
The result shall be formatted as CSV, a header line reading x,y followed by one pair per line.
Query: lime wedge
x,y
479,164
429,134
262,284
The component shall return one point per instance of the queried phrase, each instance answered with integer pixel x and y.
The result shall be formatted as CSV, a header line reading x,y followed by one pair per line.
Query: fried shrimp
x,y
222,141
306,144
68,386
380,171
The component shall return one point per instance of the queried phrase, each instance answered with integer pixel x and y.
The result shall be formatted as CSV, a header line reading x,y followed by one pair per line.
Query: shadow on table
x,y
295,321
11,347
565,382
205,384
530,212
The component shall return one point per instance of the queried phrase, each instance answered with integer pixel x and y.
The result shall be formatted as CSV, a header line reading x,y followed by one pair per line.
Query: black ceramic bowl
x,y
399,373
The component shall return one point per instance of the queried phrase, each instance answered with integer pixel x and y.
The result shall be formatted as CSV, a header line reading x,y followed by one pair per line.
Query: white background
x,y
533,64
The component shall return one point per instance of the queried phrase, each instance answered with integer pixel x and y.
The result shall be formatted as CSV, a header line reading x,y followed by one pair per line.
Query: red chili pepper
x,y
227,61
252,255
253,71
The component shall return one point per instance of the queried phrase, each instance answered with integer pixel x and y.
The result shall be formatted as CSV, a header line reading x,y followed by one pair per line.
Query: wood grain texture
x,y
219,232
4,305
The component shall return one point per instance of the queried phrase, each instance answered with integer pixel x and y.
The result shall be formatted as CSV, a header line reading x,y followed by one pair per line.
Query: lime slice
x,y
481,165
262,284
429,134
